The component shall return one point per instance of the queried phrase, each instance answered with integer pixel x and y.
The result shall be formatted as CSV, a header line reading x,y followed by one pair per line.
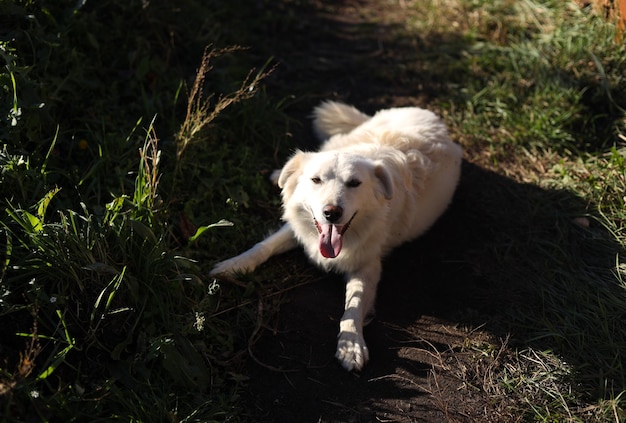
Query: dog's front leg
x,y
352,351
279,242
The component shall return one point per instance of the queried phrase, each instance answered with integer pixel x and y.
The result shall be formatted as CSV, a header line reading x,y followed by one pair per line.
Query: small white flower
x,y
199,323
213,287
53,299
34,394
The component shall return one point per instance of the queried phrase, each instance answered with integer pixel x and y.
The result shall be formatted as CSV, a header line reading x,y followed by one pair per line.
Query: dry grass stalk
x,y
201,109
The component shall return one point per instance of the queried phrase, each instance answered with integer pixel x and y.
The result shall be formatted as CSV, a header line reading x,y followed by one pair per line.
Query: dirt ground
x,y
438,320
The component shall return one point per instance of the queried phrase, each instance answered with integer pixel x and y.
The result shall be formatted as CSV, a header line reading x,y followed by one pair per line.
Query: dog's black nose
x,y
332,213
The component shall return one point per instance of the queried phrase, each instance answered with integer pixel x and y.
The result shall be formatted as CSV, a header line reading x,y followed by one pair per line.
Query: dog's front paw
x,y
352,352
232,266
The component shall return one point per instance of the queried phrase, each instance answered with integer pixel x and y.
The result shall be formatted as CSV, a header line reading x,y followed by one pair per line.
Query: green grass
x,y
539,74
537,94
114,156
105,315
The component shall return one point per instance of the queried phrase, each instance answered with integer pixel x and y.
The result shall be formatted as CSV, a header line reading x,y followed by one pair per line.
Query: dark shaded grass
x,y
104,316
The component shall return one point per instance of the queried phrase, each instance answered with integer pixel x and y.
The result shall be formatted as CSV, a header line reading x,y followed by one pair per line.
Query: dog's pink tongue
x,y
330,241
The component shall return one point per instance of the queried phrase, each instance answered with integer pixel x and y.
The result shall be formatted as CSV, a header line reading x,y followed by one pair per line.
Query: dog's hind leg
x,y
279,242
352,351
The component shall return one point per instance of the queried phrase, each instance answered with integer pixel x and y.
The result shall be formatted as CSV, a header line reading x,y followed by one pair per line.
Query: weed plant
x,y
104,315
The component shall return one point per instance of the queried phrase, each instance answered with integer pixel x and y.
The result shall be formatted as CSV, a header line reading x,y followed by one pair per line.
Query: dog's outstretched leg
x,y
279,242
352,351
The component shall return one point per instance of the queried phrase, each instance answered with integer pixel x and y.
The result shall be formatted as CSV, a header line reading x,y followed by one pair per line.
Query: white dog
x,y
375,183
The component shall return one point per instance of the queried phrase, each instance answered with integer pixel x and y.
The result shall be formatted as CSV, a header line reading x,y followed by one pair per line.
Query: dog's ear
x,y
291,167
288,175
386,182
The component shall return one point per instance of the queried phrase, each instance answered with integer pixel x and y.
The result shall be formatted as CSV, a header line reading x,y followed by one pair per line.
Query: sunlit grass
x,y
537,94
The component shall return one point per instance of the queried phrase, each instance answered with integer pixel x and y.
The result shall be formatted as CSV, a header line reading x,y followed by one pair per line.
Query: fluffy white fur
x,y
375,183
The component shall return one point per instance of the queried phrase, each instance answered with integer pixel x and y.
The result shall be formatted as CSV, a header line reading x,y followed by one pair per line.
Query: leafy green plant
x,y
102,316
98,284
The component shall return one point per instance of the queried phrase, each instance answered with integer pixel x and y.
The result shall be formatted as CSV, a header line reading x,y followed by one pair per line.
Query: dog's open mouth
x,y
331,237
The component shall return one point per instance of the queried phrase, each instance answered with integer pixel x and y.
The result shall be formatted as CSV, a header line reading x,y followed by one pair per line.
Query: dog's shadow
x,y
523,263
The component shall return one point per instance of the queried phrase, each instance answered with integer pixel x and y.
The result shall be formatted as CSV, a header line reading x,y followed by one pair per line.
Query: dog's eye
x,y
353,183
316,180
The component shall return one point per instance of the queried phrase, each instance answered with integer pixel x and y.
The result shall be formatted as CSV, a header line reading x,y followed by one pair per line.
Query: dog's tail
x,y
332,118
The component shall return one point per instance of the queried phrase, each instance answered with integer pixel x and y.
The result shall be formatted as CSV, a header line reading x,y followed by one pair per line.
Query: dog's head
x,y
333,190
